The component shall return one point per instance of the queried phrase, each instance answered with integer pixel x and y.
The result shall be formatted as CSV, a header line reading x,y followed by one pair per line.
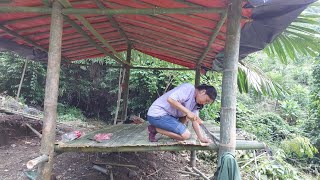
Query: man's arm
x,y
180,107
190,115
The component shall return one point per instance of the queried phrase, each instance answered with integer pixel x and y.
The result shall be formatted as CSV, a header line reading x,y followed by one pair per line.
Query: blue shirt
x,y
184,94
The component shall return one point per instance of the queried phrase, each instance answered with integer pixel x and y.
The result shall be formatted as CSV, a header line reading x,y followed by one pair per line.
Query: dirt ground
x,y
22,145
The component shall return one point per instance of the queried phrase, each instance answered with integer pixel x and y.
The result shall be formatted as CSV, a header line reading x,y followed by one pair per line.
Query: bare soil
x,y
19,145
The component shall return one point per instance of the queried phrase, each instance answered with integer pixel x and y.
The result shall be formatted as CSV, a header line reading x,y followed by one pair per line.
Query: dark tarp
x,y
269,19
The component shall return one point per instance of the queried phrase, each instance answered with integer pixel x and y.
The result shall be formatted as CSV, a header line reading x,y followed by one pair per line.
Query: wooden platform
x,y
134,138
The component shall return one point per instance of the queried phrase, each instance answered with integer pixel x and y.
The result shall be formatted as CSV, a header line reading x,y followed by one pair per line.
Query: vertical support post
x,y
126,84
197,78
193,155
51,91
229,80
22,77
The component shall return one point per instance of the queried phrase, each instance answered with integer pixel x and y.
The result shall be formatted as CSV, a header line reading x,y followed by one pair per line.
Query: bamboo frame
x,y
229,80
113,22
126,85
34,162
241,145
145,11
22,77
87,24
91,41
171,41
51,92
187,37
213,37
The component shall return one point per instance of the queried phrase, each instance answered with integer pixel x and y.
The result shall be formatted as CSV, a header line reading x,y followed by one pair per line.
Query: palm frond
x,y
302,37
250,75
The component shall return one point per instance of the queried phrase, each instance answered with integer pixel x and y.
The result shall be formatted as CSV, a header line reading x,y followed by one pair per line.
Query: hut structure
x,y
197,34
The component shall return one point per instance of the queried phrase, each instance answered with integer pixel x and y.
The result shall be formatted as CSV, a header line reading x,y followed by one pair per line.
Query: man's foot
x,y
152,133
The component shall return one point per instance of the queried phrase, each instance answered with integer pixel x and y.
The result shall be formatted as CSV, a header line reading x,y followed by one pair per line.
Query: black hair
x,y
210,90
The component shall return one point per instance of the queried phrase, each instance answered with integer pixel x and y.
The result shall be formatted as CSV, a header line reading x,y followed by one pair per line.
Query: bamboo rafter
x,y
87,24
213,37
113,22
94,43
145,11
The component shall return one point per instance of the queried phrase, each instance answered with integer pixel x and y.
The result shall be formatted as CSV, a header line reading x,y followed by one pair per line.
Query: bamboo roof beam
x,y
113,22
94,43
144,11
213,37
87,24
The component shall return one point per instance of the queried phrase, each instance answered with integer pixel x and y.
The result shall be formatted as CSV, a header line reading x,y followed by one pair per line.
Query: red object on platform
x,y
102,137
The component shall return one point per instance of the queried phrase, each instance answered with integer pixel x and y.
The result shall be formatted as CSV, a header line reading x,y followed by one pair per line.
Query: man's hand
x,y
194,117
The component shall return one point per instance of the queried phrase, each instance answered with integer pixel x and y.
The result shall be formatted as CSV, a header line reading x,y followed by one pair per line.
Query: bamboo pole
x,y
146,11
229,80
200,173
126,85
213,37
51,92
119,97
100,169
85,35
35,131
34,162
241,145
114,22
93,31
193,155
22,77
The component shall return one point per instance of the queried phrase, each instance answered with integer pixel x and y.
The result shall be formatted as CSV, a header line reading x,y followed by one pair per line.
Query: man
x,y
170,112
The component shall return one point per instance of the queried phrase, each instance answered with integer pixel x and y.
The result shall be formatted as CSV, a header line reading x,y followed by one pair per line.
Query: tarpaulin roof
x,y
176,31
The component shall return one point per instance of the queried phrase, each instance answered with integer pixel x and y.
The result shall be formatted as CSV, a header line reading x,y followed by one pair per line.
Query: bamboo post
x,y
193,155
126,85
51,92
119,98
22,77
229,80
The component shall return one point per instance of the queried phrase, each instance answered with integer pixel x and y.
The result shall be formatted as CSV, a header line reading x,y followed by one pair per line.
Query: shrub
x,y
299,147
267,127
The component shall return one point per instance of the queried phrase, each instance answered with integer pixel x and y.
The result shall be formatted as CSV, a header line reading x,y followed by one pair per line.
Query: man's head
x,y
206,94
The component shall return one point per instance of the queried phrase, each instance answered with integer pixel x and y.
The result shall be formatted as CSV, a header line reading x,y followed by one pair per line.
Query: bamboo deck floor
x,y
134,138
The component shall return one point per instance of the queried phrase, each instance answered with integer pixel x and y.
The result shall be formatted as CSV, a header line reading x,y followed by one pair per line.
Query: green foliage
x,y
251,75
32,90
299,147
66,113
312,127
277,168
289,111
267,127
